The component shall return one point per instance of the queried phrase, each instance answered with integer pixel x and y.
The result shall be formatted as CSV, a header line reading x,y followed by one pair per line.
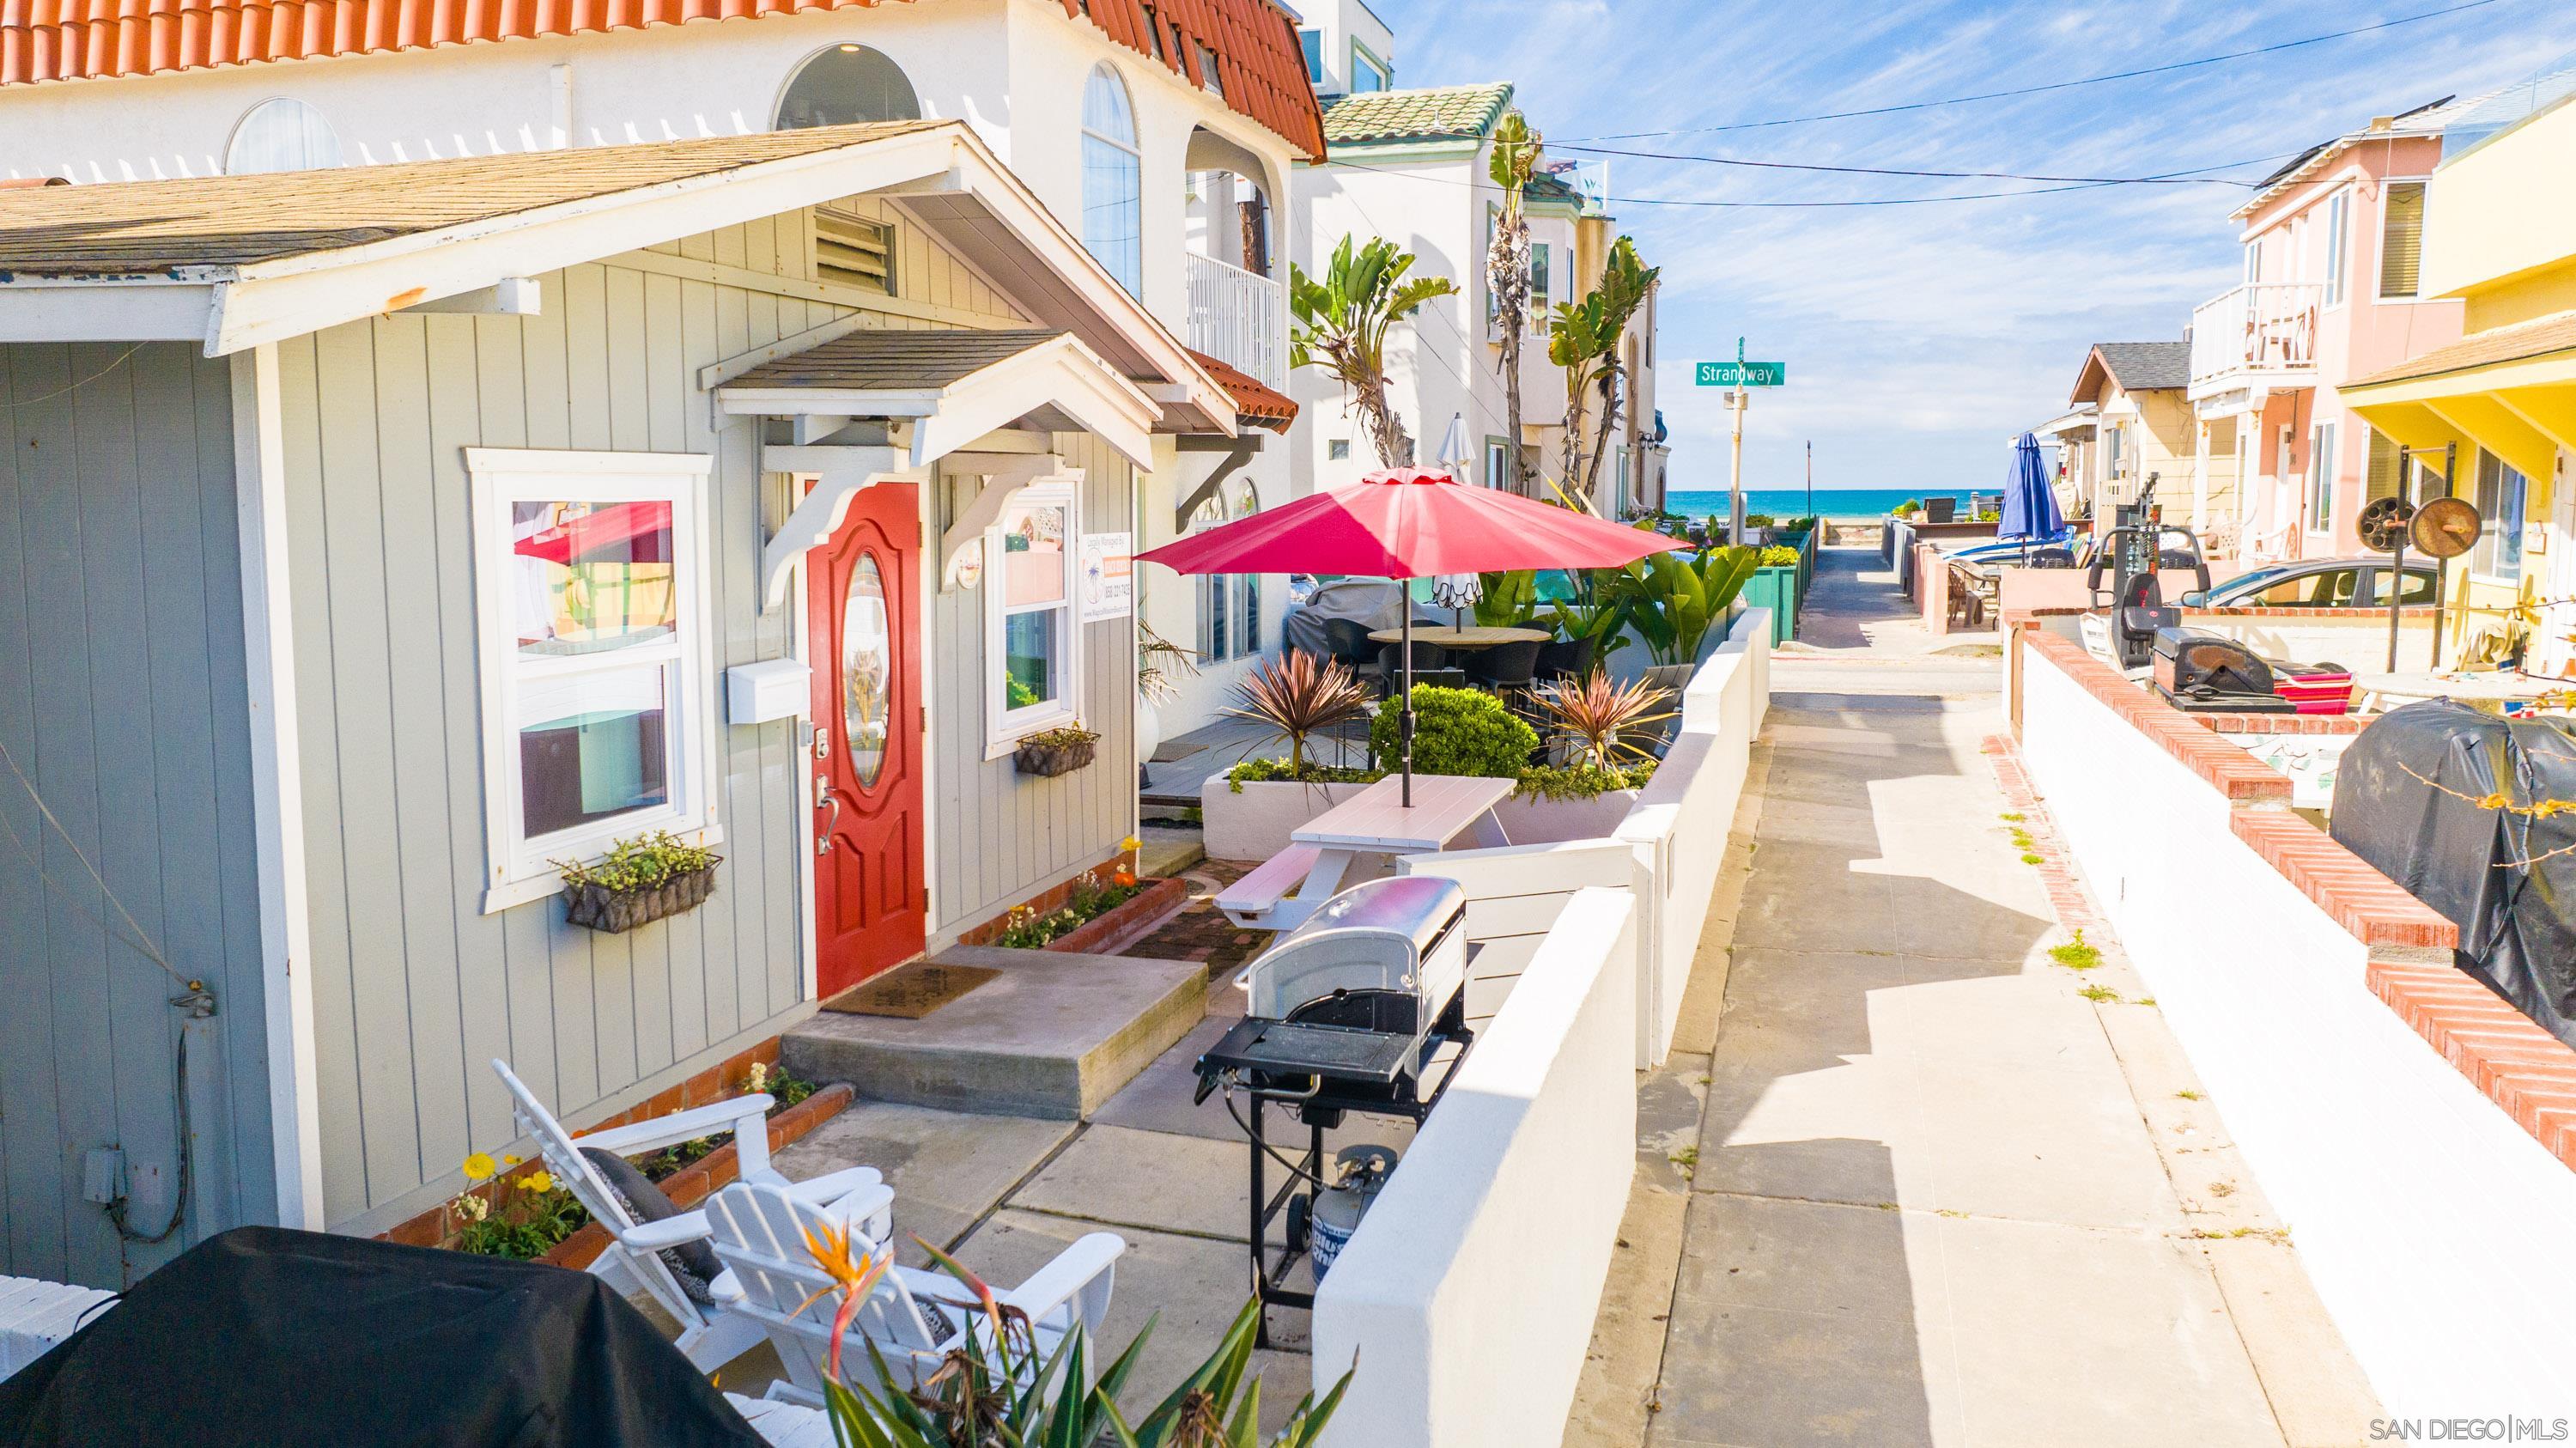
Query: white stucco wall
x,y
2420,1209
1468,1293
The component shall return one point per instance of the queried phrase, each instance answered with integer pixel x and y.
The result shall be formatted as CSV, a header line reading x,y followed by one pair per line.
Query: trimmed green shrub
x,y
1779,556
1582,781
1456,731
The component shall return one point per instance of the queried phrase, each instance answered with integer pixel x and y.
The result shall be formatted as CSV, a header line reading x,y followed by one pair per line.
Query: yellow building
x,y
2500,404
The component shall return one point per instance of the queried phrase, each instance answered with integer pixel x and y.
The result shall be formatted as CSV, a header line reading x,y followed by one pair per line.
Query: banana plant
x,y
1600,620
1340,324
1510,599
1672,598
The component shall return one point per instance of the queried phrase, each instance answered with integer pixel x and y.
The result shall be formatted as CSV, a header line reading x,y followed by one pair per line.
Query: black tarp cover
x,y
2492,871
268,1337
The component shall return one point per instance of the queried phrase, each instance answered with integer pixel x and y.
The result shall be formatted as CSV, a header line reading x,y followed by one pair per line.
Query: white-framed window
x,y
2253,261
2321,478
1113,180
2401,240
1498,463
2501,494
1032,643
282,134
2338,228
1312,42
1229,603
845,85
597,655
1338,450
1541,265
1368,73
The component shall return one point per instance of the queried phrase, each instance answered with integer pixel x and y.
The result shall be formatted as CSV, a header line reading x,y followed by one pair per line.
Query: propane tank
x,y
1359,1174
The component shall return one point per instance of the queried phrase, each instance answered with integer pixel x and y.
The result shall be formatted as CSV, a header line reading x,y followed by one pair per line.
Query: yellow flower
x,y
1131,843
479,1167
537,1181
511,1159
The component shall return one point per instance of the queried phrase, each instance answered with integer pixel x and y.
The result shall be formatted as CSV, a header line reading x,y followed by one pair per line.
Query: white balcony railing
x,y
2260,332
1238,317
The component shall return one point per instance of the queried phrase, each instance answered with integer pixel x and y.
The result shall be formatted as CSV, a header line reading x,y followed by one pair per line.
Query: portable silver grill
x,y
1348,1012
1386,956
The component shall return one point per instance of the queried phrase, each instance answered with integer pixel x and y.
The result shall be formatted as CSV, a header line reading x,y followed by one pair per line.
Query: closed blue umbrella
x,y
2030,504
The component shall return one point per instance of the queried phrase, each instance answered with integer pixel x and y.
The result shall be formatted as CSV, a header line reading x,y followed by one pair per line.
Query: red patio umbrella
x,y
1410,523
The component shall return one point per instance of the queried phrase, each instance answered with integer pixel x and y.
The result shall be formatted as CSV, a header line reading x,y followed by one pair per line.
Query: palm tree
x,y
1507,272
1341,323
1583,338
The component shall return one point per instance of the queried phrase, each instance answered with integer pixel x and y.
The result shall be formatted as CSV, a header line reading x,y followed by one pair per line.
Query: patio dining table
x,y
1375,821
1465,638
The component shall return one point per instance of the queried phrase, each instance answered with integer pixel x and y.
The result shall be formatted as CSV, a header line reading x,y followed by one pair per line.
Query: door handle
x,y
832,797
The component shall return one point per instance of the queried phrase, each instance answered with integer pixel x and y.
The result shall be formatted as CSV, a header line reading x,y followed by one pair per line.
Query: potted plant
x,y
1248,812
1674,602
640,880
1596,728
1051,752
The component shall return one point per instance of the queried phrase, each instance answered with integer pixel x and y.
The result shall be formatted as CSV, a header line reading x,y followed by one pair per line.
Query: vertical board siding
x,y
1003,836
415,989
120,625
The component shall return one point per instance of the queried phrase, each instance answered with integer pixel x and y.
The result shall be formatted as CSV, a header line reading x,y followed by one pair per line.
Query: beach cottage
x,y
374,542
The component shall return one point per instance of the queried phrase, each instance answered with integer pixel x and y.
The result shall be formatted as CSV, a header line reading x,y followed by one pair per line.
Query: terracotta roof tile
x,y
143,227
1451,113
1261,66
1254,401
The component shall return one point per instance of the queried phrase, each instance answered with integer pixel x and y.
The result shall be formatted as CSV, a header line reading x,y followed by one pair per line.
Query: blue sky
x,y
1919,337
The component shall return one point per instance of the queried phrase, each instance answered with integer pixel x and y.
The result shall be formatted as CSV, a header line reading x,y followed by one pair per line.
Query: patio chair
x,y
1563,659
1348,641
653,1246
914,1317
1427,658
1506,666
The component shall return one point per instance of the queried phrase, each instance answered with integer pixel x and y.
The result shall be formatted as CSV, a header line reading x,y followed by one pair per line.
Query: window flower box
x,y
1056,752
641,880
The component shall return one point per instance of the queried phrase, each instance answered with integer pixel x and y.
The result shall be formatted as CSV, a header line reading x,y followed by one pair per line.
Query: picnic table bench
x,y
1282,891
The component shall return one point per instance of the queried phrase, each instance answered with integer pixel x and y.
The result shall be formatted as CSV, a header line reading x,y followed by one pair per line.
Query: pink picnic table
x,y
1374,821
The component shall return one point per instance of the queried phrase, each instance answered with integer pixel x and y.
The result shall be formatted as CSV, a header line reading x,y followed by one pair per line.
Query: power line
x,y
2183,179
1701,202
2033,90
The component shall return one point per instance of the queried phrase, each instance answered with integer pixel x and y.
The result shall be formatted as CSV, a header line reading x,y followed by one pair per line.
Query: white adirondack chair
x,y
711,1337
760,1235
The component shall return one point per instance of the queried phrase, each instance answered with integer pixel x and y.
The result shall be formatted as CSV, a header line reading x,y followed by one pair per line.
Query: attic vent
x,y
853,251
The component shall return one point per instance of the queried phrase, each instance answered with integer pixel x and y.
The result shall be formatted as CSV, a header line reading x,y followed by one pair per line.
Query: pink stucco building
x,y
2330,294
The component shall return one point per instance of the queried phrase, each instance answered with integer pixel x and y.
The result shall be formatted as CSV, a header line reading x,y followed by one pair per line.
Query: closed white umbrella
x,y
1456,591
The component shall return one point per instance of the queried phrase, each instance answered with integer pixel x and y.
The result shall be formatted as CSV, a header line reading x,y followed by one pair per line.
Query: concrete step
x,y
1055,1035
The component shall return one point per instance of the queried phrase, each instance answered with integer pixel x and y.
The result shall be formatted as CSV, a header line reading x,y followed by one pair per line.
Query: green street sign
x,y
1743,374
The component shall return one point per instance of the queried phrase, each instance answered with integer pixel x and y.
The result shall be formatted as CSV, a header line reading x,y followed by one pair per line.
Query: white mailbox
x,y
769,689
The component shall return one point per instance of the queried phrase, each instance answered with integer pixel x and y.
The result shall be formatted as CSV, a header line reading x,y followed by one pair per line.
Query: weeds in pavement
x,y
2075,954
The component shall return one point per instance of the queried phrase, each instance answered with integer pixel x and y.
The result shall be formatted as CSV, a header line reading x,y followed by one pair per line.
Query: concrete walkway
x,y
1919,1182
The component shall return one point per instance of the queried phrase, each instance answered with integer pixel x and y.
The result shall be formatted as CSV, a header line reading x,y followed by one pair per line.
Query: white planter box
x,y
1254,824
1530,820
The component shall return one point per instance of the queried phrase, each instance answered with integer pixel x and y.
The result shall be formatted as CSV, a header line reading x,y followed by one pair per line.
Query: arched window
x,y
1113,181
846,85
281,135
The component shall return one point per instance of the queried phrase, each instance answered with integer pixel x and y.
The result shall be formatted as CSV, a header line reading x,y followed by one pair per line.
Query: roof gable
x,y
1449,113
2134,367
1261,67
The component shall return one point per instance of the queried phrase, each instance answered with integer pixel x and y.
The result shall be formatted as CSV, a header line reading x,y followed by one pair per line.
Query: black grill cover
x,y
263,1336
2492,872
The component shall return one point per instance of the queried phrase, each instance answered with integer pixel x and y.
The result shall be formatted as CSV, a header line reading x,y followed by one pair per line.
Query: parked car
x,y
2356,582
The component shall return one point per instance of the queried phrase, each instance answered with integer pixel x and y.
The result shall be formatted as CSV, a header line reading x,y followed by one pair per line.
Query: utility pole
x,y
1811,477
1735,471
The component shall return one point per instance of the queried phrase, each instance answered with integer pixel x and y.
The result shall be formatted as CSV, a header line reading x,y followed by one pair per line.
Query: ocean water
x,y
1792,502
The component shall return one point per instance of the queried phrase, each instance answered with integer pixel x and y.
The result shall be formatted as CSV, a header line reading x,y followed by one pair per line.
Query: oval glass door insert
x,y
867,670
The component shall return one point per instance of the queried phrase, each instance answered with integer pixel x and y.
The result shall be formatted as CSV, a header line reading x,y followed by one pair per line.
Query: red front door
x,y
871,902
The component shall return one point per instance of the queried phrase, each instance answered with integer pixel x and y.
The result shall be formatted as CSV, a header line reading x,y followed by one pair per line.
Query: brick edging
x,y
1103,934
2374,909
2525,1070
2238,776
707,1175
